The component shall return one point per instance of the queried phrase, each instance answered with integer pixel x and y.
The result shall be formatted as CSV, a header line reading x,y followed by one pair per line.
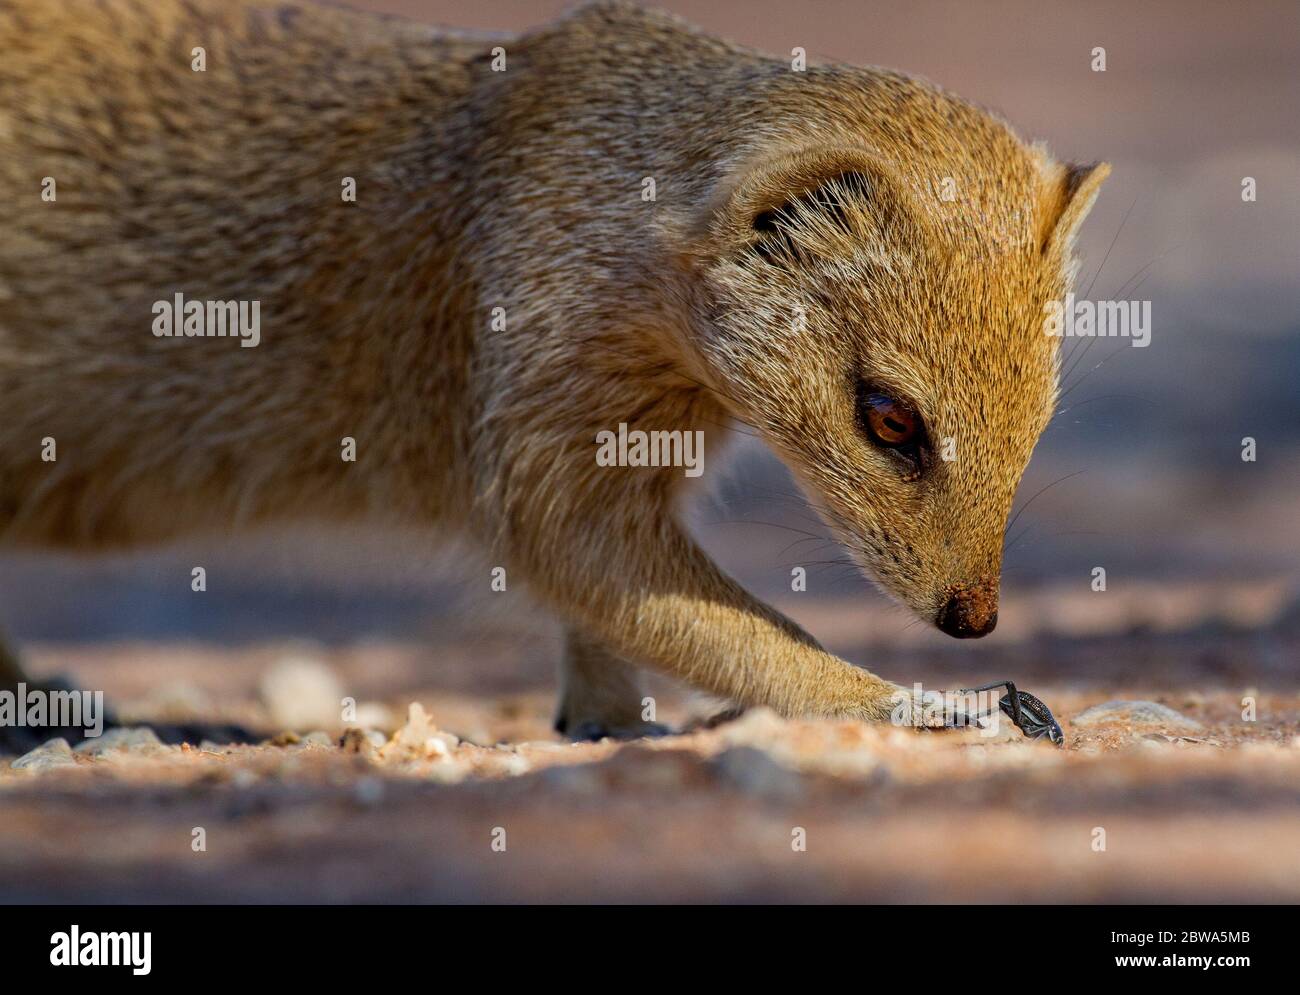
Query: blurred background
x,y
1141,472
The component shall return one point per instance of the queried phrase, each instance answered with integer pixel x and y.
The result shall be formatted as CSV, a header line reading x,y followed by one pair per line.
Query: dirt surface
x,y
1141,804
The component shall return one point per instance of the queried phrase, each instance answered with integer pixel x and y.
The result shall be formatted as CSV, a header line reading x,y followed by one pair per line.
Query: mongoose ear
x,y
1067,202
814,201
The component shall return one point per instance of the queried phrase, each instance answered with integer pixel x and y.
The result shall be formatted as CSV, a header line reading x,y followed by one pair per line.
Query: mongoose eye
x,y
889,422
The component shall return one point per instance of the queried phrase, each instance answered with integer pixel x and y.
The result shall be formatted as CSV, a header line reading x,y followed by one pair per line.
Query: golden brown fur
x,y
521,190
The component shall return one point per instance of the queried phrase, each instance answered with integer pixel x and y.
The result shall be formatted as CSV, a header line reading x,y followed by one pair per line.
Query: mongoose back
x,y
612,220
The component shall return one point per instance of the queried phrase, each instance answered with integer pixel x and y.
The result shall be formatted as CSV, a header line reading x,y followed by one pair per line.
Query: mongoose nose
x,y
970,612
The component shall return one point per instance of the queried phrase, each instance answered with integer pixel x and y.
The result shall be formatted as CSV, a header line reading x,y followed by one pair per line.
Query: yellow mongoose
x,y
611,221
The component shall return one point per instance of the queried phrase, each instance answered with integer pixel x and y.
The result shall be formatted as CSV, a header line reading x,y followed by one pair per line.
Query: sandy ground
x,y
471,797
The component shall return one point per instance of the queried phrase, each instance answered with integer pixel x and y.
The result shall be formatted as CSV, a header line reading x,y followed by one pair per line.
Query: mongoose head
x,y
881,322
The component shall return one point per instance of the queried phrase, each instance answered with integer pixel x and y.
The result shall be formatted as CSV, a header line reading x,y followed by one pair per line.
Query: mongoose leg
x,y
600,694
647,592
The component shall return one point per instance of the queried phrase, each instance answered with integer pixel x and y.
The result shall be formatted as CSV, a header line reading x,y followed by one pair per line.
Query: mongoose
x,y
612,220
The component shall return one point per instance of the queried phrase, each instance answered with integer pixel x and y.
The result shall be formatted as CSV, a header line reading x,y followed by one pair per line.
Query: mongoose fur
x,y
798,250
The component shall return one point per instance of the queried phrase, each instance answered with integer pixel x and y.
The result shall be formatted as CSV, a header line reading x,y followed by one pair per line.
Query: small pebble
x,y
55,753
1133,713
419,727
515,765
302,693
138,740
358,741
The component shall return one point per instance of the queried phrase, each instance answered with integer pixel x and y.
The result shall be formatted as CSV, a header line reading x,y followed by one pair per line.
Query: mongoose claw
x,y
956,719
931,712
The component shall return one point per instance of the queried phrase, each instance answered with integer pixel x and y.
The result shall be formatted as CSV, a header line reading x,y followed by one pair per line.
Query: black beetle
x,y
1030,715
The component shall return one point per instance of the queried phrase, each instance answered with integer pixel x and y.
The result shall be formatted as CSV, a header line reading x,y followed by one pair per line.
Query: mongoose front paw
x,y
920,709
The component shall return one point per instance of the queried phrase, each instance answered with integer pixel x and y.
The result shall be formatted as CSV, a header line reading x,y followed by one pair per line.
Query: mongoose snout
x,y
970,612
